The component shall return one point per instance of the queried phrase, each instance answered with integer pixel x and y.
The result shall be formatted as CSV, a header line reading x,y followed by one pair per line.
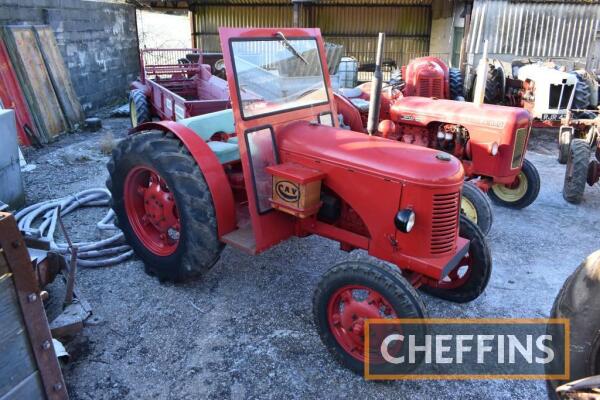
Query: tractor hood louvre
x,y
370,154
410,109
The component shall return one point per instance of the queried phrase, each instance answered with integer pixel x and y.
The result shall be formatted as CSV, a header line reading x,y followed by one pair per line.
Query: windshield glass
x,y
278,74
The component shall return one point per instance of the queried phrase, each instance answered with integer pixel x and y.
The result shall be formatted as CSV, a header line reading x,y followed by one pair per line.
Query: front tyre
x,y
353,291
579,302
564,143
476,206
522,192
469,279
163,206
576,171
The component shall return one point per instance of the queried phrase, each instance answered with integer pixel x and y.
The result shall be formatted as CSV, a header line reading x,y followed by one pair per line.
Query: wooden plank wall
x,y
59,75
35,80
44,79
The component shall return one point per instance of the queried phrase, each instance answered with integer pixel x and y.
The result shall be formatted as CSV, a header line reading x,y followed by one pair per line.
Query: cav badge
x,y
288,191
443,156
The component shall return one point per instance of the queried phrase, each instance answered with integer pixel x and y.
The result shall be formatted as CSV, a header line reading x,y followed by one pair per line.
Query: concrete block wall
x,y
98,41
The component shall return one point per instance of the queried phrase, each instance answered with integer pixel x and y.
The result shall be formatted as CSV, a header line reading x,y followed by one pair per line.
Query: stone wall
x,y
98,41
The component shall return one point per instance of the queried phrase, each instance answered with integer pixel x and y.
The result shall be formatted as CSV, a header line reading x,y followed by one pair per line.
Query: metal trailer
x,y
177,84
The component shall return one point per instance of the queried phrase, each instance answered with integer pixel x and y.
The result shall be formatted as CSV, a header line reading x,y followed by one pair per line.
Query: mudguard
x,y
210,166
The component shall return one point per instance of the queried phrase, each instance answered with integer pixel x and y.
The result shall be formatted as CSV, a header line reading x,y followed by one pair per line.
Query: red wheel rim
x,y
458,277
347,310
152,211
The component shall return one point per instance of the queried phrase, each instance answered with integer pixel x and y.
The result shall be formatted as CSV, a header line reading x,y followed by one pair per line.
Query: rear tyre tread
x,y
564,142
578,161
138,99
456,84
199,248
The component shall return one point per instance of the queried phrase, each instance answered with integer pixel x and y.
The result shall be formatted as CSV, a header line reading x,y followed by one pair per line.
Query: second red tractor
x,y
491,141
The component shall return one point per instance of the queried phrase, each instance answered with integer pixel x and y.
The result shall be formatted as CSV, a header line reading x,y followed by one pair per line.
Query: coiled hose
x,y
40,220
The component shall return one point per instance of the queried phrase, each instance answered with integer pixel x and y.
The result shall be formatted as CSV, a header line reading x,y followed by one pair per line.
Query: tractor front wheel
x,y
564,143
163,206
139,109
476,206
577,171
522,192
469,279
352,292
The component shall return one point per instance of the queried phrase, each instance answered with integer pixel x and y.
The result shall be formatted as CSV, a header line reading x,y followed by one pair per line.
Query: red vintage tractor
x,y
277,165
490,140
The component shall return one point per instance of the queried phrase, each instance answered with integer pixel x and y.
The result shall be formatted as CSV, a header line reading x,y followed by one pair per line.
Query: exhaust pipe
x,y
376,83
482,71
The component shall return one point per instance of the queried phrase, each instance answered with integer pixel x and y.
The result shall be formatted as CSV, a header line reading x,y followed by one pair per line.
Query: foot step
x,y
242,239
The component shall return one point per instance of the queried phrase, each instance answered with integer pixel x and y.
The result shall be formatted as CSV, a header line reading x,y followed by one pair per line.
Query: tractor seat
x,y
351,92
361,104
207,125
226,152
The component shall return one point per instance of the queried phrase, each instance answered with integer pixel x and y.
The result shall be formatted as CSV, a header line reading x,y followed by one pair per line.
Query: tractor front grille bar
x,y
444,224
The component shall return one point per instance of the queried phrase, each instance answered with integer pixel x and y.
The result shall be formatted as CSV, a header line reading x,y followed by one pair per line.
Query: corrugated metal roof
x,y
192,3
533,30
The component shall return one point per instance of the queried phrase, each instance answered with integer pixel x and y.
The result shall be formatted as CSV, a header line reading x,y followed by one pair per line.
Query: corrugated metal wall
x,y
523,29
355,24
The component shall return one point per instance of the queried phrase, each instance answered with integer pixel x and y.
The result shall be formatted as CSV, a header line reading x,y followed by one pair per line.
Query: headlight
x,y
494,149
405,220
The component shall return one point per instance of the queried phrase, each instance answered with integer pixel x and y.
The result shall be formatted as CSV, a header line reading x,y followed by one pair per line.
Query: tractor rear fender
x,y
208,163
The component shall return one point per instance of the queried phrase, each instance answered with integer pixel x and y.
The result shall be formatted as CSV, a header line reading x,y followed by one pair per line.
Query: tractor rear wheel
x,y
494,86
469,279
576,171
353,291
139,109
564,142
457,91
522,192
578,301
581,100
476,206
163,206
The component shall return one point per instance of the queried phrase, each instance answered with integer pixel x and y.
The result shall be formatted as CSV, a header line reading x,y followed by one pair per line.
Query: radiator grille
x,y
519,150
428,87
444,224
560,96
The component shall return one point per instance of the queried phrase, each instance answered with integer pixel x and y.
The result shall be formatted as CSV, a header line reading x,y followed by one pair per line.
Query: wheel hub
x,y
468,208
133,113
152,211
349,308
512,192
457,277
160,207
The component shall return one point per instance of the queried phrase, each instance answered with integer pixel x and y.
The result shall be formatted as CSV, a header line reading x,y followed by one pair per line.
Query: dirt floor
x,y
246,330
